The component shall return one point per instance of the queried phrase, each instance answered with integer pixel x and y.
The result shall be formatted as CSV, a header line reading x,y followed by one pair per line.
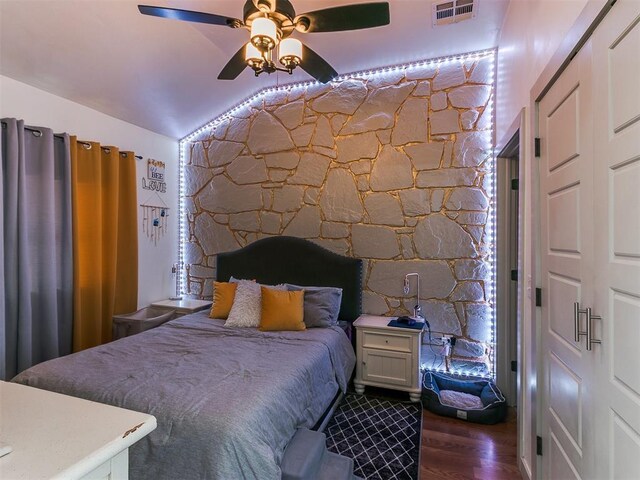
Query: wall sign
x,y
155,176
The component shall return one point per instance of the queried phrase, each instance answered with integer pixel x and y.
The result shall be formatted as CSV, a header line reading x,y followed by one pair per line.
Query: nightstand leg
x,y
414,397
359,388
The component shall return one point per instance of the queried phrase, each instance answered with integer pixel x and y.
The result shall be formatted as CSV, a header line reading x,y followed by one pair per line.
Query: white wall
x,y
531,33
37,107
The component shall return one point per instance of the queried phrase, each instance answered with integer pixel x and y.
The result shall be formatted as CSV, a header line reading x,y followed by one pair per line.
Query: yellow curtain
x,y
105,240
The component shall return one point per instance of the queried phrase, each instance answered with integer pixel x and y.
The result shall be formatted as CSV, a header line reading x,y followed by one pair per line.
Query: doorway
x,y
508,278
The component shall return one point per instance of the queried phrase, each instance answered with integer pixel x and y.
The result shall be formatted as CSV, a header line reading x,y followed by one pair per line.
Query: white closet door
x,y
616,61
566,383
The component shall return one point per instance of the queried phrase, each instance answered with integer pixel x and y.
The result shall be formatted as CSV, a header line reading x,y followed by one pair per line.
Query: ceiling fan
x,y
271,23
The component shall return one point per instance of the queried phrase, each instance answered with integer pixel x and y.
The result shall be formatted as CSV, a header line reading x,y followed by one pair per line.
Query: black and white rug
x,y
381,435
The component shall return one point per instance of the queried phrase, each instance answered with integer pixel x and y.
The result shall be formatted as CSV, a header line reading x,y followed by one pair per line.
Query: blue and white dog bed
x,y
478,401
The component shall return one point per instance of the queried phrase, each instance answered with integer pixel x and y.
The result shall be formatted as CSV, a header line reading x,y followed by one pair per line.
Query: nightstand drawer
x,y
387,368
386,341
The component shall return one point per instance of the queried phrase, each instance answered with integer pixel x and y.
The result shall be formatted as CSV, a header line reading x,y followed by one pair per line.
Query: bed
x,y
227,400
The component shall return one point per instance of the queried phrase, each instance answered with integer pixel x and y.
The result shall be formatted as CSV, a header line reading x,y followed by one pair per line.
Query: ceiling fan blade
x,y
316,66
234,67
347,17
190,16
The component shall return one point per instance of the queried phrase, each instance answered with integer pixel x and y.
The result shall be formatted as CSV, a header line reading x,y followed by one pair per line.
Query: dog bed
x,y
478,401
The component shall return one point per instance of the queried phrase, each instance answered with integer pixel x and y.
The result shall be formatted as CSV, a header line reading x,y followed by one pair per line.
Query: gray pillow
x,y
321,305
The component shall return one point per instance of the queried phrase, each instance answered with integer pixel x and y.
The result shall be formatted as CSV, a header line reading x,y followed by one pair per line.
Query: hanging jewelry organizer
x,y
154,218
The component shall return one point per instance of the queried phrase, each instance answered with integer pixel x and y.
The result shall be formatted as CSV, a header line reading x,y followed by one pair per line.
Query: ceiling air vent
x,y
453,11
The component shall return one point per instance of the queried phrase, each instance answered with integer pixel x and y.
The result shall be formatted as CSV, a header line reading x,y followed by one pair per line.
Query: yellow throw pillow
x,y
282,310
223,295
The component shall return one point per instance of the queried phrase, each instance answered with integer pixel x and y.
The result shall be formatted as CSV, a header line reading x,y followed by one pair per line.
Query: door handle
x,y
590,339
576,321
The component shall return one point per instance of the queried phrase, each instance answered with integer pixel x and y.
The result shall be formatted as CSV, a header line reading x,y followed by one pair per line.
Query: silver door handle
x,y
590,339
576,321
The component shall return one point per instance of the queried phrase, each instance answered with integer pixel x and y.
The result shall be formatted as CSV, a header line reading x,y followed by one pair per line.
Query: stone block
x,y
356,147
339,246
467,348
483,71
422,72
442,317
438,101
436,236
444,121
383,209
222,152
270,222
449,75
214,238
305,224
361,167
391,171
222,218
471,149
470,96
277,175
378,110
468,292
195,178
326,151
425,156
383,79
312,170
311,195
468,119
387,278
345,98
340,200
193,253
238,130
467,199
411,125
406,245
198,155
291,114
415,202
423,89
446,177
334,230
374,304
287,199
323,135
246,221
244,170
337,121
362,182
472,218
302,135
268,135
479,321
224,196
471,270
384,136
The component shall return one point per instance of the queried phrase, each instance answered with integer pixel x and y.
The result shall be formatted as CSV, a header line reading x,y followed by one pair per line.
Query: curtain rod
x,y
86,145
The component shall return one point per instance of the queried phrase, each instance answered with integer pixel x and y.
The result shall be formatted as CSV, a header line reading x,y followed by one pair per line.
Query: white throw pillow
x,y
247,305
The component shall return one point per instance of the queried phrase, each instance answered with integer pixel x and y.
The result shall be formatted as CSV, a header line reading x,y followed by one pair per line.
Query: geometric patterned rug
x,y
381,435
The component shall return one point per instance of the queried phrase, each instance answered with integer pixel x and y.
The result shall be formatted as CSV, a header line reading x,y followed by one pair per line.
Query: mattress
x,y
227,400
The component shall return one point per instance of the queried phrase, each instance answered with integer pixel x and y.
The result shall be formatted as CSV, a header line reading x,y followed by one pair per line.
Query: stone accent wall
x,y
389,168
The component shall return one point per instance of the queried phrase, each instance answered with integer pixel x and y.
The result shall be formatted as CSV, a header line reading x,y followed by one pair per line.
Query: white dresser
x,y
61,437
387,357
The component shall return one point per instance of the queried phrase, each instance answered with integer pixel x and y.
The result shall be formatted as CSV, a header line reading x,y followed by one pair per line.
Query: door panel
x,y
566,201
616,48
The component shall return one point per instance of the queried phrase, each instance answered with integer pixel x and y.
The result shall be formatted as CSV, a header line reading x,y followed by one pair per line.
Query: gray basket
x,y
136,322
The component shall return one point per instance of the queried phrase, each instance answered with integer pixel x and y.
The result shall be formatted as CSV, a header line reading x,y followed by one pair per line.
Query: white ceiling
x,y
161,74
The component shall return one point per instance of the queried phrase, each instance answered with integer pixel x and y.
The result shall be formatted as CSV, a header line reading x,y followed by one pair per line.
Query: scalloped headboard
x,y
284,259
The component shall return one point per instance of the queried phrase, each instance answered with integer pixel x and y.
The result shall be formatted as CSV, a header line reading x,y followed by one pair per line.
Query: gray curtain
x,y
36,264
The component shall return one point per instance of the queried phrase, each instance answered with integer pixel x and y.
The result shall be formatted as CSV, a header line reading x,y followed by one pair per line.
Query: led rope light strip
x,y
491,214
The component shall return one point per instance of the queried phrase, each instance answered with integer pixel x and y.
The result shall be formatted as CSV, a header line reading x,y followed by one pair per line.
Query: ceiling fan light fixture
x,y
253,56
264,34
290,52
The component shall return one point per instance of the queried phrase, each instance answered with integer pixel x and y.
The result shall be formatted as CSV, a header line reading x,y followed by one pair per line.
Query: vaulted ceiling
x,y
161,74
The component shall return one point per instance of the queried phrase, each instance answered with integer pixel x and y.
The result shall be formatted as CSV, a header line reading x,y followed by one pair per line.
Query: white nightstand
x,y
387,357
184,306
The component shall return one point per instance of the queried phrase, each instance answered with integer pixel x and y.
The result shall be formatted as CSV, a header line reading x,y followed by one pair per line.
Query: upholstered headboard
x,y
283,259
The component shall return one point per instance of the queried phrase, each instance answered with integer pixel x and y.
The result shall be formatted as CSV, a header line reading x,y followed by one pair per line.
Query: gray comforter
x,y
227,400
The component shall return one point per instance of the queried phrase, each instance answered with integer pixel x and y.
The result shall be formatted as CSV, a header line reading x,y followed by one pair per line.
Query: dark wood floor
x,y
455,449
